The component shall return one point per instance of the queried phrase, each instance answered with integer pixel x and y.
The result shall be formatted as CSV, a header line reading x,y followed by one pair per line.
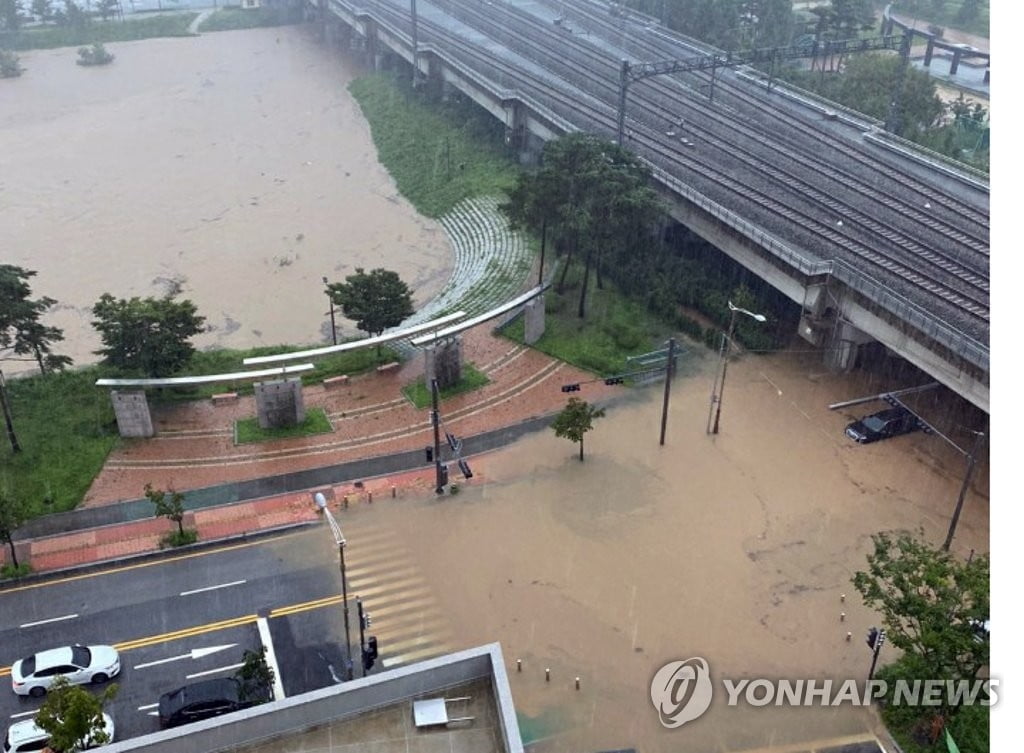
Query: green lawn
x,y
248,429
438,153
419,393
65,426
227,19
165,25
614,327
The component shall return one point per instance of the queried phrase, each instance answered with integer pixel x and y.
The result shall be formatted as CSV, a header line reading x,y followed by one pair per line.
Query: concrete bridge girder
x,y
840,331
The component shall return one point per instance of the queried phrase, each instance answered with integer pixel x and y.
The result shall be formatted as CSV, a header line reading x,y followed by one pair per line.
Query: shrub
x,y
179,538
10,571
95,55
9,65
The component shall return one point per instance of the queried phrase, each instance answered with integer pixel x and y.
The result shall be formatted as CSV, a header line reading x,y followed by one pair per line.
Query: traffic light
x,y
872,638
570,388
430,453
370,653
444,474
614,380
464,467
367,620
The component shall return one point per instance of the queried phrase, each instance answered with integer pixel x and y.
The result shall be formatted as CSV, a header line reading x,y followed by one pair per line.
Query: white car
x,y
79,664
23,737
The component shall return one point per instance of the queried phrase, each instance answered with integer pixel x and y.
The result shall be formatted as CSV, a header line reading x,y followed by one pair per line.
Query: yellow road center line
x,y
211,627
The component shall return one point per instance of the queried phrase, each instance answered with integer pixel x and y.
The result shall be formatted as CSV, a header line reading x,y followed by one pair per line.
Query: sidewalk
x,y
236,490
223,523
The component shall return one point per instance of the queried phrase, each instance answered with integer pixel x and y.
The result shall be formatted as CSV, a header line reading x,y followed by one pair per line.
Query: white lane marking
x,y
24,713
196,653
214,671
52,619
148,706
212,588
264,629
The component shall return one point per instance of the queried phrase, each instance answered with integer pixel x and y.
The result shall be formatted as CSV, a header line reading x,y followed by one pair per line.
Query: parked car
x,y
79,664
23,737
205,699
882,425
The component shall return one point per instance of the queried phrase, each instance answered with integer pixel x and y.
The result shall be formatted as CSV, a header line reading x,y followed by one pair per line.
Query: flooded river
x,y
234,165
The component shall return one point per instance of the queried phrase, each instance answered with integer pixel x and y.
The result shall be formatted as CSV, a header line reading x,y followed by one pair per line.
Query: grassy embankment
x,y
417,139
230,19
146,27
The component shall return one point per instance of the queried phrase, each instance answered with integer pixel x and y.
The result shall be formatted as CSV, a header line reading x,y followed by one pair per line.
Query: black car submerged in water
x,y
882,425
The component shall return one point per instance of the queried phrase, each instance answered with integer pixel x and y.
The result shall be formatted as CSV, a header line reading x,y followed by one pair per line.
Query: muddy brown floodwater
x,y
233,164
735,548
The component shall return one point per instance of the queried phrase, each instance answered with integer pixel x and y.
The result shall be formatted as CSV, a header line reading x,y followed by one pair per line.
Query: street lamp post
x,y
723,363
972,458
339,538
334,329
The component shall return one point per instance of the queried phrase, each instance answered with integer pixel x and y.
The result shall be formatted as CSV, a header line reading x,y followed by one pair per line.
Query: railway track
x,y
500,22
832,195
950,280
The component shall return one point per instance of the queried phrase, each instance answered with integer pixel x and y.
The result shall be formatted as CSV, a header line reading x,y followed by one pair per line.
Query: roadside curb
x,y
32,579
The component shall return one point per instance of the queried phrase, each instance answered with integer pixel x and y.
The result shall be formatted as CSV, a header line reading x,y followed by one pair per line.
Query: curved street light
x,y
723,363
339,539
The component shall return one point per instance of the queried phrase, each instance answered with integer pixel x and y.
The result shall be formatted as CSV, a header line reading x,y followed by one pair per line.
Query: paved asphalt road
x,y
166,609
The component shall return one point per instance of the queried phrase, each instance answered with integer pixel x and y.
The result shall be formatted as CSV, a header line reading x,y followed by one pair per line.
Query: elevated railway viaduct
x,y
873,239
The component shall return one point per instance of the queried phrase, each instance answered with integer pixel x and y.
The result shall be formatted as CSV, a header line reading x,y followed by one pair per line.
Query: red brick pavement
x,y
195,448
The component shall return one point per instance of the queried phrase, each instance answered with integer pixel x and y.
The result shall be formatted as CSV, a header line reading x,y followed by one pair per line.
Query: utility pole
x,y
334,329
435,417
8,419
668,385
972,459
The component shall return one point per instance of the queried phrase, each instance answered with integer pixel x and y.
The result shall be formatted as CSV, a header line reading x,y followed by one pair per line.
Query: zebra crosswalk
x,y
406,617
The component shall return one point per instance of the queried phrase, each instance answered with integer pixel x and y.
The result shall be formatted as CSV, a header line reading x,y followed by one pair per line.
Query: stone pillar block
x,y
279,403
533,320
443,362
132,412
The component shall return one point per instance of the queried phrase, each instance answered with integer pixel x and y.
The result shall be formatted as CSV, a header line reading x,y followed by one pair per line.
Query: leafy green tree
x,y
969,11
107,8
74,15
20,328
931,604
169,504
575,420
149,335
255,676
374,301
10,15
73,717
13,512
42,9
868,83
597,196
